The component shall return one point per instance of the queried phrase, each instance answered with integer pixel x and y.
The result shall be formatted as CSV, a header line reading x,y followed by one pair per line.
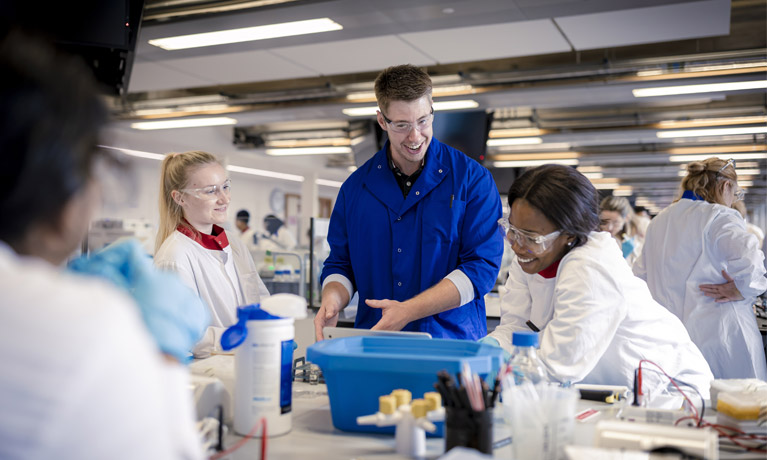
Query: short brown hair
x,y
703,178
401,83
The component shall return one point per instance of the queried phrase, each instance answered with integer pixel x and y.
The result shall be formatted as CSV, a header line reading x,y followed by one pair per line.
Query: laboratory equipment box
x,y
359,369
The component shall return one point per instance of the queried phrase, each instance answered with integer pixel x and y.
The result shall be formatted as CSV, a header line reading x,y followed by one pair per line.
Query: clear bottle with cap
x,y
524,361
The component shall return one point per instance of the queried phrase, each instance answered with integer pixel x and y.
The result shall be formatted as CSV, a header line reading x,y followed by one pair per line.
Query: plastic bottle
x,y
524,359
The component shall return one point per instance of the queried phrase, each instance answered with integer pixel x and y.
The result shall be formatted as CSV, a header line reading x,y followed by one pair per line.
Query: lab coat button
x,y
399,249
379,166
399,218
417,192
440,171
399,283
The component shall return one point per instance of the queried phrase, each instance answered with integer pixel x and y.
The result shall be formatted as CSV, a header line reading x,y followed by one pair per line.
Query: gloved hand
x,y
173,313
492,341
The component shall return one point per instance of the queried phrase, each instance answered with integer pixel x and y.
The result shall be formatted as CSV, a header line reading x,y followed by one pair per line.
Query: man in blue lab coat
x,y
414,229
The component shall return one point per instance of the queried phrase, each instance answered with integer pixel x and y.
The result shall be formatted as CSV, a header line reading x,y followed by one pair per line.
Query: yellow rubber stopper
x,y
419,407
387,404
403,396
433,400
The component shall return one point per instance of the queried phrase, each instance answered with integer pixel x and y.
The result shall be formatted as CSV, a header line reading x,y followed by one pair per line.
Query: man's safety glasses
x,y
532,242
211,192
403,127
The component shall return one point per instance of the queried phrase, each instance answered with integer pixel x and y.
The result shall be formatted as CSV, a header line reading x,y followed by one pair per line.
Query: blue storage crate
x,y
359,369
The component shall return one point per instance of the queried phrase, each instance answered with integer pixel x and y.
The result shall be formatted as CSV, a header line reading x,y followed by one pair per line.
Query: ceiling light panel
x,y
438,105
309,151
247,34
183,123
711,132
693,89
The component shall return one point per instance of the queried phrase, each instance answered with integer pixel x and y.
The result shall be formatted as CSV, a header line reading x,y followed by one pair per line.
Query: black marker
x,y
532,326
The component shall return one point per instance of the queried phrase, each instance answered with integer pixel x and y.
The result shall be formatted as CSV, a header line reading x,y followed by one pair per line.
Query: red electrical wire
x,y
720,429
245,439
698,417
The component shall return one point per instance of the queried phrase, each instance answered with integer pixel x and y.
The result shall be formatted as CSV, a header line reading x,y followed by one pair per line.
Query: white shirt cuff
x,y
464,285
340,279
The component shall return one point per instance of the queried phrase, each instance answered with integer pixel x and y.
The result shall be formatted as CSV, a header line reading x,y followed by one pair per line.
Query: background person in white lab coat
x,y
615,216
82,372
276,236
248,234
701,263
597,320
194,198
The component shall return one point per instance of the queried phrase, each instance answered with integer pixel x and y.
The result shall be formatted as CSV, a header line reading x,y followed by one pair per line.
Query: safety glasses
x,y
739,192
211,192
729,162
403,127
532,242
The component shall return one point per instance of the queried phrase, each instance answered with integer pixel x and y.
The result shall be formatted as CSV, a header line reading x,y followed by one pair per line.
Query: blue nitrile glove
x,y
173,313
492,341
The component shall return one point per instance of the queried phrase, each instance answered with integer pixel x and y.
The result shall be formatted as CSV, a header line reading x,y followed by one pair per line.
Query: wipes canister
x,y
262,362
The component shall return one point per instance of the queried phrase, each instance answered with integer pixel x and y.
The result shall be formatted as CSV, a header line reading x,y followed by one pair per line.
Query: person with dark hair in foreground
x,y
89,371
597,320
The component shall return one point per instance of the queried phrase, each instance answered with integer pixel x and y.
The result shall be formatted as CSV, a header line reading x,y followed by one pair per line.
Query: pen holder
x,y
468,428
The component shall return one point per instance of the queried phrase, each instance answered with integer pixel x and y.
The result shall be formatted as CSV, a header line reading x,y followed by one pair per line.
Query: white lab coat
x,y
249,238
81,376
598,320
689,244
282,240
224,280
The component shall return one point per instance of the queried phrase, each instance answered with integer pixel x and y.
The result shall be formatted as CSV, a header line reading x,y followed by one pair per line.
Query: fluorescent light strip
x,y
697,123
329,183
590,169
247,34
318,142
309,151
734,156
532,163
594,175
233,168
514,132
692,89
623,191
746,183
183,123
711,132
441,105
514,141
717,149
437,91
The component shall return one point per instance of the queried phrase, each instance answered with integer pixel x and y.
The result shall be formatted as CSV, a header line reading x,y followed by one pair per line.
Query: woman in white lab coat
x,y
81,375
194,198
703,265
597,320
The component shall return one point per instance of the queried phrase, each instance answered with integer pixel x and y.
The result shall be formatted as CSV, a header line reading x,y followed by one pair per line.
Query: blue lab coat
x,y
391,247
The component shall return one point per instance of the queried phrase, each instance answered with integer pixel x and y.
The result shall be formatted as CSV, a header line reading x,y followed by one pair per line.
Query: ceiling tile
x,y
489,42
647,25
153,76
361,55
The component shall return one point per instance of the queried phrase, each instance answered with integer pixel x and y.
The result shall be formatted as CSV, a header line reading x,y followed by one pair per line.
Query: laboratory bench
x,y
313,436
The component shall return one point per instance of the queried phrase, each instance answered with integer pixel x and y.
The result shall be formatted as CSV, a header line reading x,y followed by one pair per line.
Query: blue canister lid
x,y
524,339
236,333
254,312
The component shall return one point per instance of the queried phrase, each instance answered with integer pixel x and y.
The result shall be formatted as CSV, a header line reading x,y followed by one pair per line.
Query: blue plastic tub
x,y
358,370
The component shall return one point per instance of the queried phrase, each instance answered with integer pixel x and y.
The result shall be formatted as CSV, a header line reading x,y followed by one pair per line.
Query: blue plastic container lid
x,y
254,312
524,339
237,332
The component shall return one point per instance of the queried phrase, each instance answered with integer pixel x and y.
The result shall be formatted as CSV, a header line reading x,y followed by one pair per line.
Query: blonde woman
x,y
615,216
194,198
701,263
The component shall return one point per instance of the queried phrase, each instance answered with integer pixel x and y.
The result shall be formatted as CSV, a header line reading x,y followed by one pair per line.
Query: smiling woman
x,y
194,199
596,319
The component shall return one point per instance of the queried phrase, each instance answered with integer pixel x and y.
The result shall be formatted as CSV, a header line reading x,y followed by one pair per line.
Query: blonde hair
x,y
703,178
622,206
174,175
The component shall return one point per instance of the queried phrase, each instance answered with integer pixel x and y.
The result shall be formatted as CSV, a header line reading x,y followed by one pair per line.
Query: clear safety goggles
x,y
211,192
739,192
403,127
532,242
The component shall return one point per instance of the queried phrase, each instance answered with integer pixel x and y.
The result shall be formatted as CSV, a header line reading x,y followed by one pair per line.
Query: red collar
x,y
550,271
216,241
